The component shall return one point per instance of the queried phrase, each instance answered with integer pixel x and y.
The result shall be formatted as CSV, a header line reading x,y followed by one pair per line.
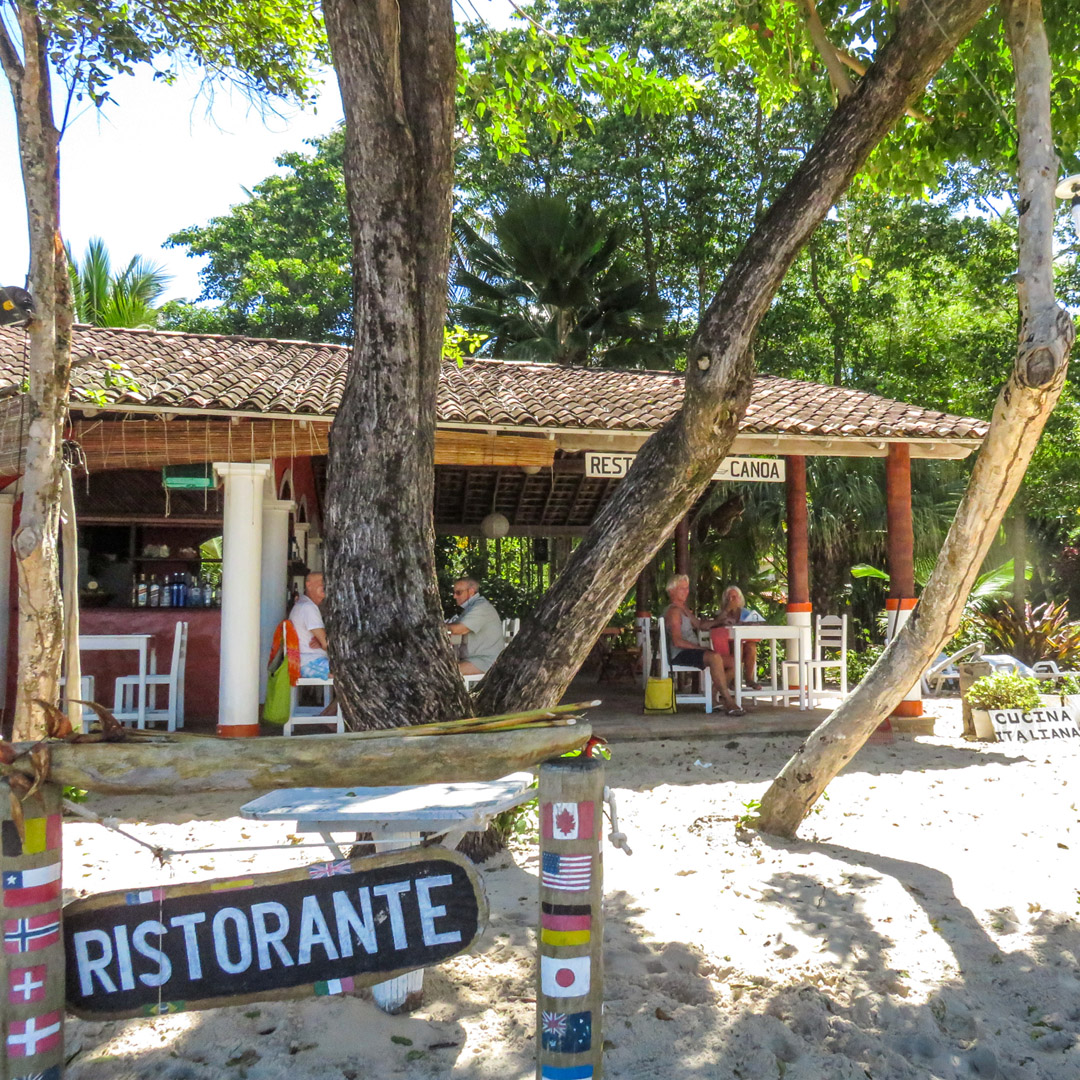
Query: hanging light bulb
x,y
495,526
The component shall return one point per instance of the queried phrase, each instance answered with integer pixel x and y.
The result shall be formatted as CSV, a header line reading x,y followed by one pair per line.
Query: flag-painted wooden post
x,y
32,962
570,980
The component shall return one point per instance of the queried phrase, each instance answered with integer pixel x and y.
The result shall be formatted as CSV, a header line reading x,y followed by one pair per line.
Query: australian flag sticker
x,y
566,1033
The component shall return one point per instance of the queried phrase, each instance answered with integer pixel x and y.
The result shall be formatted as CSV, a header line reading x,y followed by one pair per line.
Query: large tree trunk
x,y
41,623
396,67
1046,336
674,466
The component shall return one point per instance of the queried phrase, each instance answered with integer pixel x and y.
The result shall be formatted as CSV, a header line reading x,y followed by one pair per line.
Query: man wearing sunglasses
x,y
477,631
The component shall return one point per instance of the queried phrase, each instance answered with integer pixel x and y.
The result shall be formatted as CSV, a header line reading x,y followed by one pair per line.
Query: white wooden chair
x,y
301,715
669,670
830,633
643,633
510,629
125,699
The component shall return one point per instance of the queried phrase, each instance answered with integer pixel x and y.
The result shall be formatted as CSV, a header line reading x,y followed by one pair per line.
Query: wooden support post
x,y
69,545
900,556
32,961
682,546
570,975
799,609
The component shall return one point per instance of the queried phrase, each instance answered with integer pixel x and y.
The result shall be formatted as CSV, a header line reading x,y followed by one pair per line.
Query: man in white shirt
x,y
310,631
478,628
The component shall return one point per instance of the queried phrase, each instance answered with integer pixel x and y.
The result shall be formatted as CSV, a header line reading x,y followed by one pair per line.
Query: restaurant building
x,y
201,473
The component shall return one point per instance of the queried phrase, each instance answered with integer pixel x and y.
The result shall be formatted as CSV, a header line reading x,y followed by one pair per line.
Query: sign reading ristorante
x,y
316,930
614,466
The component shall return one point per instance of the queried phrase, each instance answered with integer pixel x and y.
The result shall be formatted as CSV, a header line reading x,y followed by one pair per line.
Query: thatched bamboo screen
x,y
153,443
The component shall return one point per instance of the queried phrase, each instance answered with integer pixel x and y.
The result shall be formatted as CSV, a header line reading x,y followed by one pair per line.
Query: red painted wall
x,y
203,653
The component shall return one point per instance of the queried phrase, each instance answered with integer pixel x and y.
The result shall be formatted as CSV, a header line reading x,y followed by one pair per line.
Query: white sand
x,y
924,927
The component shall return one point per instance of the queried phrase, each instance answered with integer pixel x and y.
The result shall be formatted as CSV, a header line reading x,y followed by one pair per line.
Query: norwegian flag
x,y
32,933
329,869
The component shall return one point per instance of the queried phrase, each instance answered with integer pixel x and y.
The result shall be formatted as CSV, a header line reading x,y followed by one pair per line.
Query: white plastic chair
x,y
125,699
1048,669
510,630
299,715
668,671
944,670
830,633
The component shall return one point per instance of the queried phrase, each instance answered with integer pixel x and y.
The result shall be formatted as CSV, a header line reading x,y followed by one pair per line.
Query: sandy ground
x,y
925,925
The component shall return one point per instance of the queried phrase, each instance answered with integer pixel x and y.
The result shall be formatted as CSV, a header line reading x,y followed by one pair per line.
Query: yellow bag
x,y
660,696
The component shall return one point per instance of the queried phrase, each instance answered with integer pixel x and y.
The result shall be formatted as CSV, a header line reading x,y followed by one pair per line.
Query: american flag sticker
x,y
566,821
570,873
329,869
51,1073
37,886
333,986
26,984
566,1033
32,933
144,896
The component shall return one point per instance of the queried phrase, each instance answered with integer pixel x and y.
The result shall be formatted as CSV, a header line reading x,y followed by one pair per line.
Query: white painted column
x,y
7,507
274,575
314,554
241,564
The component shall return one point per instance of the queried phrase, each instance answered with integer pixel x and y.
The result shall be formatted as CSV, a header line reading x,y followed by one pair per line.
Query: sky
x,y
157,159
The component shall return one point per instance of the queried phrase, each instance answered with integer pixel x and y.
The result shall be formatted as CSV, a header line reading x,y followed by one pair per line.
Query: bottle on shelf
x,y
153,592
139,594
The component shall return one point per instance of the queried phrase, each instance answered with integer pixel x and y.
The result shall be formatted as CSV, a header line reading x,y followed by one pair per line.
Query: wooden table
x,y
139,643
396,817
772,633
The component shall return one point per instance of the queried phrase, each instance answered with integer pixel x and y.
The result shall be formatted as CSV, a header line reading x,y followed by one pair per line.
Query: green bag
x,y
659,696
276,709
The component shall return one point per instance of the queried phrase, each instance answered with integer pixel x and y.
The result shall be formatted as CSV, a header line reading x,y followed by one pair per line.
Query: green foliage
x,y
278,265
522,821
1031,634
267,46
551,285
459,343
860,662
104,297
1004,690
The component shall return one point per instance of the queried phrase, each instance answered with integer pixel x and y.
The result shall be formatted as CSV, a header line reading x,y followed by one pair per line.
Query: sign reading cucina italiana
x,y
614,466
1039,725
318,930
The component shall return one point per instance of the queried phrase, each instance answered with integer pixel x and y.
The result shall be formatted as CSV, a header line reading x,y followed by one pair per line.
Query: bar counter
x,y
203,652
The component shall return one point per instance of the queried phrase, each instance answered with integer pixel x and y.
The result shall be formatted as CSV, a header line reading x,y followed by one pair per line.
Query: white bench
x,y
396,817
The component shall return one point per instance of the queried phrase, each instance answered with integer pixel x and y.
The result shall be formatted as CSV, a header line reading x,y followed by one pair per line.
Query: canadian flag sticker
x,y
567,821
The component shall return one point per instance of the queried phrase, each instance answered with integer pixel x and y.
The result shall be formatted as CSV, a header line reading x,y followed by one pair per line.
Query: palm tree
x,y
551,285
102,298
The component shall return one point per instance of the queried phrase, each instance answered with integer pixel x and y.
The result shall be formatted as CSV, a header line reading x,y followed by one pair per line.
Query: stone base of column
x,y
237,731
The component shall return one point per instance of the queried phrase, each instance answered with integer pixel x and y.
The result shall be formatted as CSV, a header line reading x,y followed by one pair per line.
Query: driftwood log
x,y
169,764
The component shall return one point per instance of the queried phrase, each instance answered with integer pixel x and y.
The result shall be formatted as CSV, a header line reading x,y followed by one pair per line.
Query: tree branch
x,y
9,60
837,76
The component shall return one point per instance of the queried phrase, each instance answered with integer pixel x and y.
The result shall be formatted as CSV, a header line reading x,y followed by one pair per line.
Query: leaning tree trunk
x,y
397,71
41,623
675,465
1046,336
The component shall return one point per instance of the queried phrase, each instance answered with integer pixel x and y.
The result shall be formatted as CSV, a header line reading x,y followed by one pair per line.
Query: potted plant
x,y
1001,691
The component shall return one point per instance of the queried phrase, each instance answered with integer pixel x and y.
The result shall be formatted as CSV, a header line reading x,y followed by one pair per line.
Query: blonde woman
x,y
681,624
732,608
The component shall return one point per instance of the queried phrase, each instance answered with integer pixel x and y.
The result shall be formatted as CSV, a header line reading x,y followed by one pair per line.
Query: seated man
x,y
310,631
478,627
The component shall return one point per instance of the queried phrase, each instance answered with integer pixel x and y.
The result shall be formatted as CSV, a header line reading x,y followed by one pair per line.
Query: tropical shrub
x,y
1004,690
859,663
1034,633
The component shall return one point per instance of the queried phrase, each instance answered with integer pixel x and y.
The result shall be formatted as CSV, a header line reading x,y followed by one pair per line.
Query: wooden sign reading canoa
x,y
322,929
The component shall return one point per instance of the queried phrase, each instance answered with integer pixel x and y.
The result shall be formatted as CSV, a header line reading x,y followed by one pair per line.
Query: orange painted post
x,y
570,976
32,962
799,609
900,555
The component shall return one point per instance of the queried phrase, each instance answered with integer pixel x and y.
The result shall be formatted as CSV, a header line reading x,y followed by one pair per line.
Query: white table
x,y
139,643
772,633
395,817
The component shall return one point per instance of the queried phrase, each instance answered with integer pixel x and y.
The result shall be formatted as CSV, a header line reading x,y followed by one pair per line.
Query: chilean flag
x,y
23,887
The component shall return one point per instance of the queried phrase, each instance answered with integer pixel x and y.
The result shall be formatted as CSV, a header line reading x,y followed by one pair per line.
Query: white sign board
x,y
1039,725
601,464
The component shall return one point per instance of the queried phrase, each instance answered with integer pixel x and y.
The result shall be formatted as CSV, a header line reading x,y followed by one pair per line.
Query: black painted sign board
x,y
321,929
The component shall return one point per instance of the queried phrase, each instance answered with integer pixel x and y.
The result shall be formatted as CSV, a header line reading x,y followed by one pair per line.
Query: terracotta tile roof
x,y
253,375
